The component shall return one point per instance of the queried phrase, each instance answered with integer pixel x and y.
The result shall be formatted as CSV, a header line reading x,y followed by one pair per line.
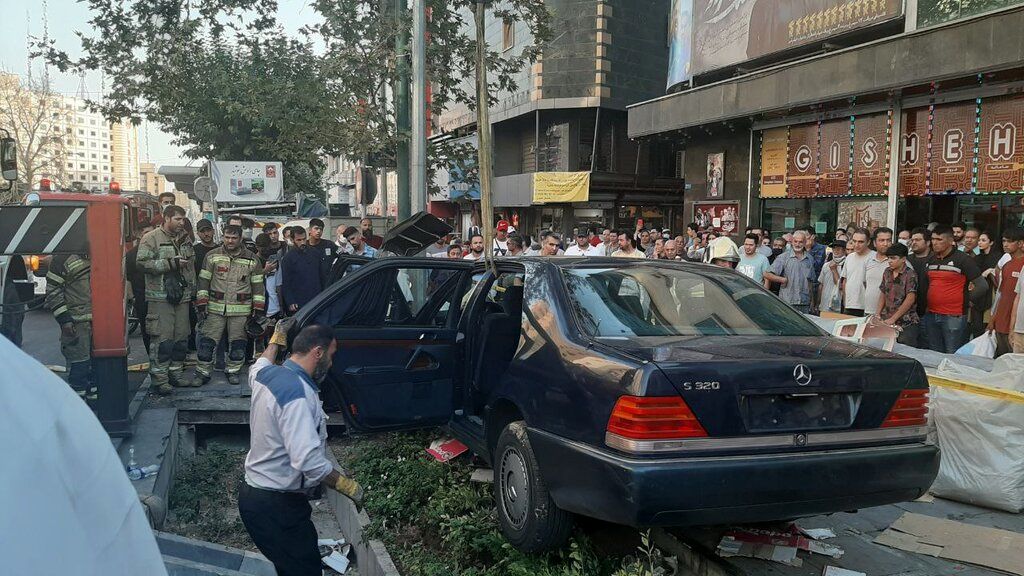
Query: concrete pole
x,y
483,126
418,168
402,114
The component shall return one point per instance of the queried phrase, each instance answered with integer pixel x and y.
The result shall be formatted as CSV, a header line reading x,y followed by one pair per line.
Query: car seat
x,y
499,337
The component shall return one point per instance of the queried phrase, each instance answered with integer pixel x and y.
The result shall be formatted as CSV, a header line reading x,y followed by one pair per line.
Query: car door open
x,y
397,354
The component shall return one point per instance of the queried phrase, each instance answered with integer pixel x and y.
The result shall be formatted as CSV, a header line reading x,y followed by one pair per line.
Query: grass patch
x,y
204,500
435,522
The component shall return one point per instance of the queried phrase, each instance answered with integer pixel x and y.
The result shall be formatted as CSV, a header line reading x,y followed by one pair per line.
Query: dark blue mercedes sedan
x,y
640,392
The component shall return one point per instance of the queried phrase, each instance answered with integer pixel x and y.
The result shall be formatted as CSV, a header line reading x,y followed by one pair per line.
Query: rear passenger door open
x,y
395,324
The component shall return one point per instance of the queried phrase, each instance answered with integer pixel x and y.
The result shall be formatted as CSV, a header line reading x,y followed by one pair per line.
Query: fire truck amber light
x,y
657,418
910,409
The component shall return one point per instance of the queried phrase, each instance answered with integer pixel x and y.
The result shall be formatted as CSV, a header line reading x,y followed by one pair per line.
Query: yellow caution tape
x,y
139,367
970,387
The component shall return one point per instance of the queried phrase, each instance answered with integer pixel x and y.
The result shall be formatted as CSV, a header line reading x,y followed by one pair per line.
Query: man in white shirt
x,y
287,462
500,243
582,246
626,248
476,247
875,269
852,279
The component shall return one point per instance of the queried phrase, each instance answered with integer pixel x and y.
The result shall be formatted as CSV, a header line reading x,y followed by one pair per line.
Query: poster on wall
x,y
834,158
952,159
1001,146
774,150
870,154
727,32
716,174
868,214
247,182
803,161
913,153
681,36
722,217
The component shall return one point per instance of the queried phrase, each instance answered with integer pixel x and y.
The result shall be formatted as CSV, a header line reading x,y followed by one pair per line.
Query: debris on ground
x,y
956,541
778,545
834,571
482,475
926,498
444,449
334,553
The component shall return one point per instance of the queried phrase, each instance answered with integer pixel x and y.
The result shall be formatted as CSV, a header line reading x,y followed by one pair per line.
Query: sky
x,y
20,19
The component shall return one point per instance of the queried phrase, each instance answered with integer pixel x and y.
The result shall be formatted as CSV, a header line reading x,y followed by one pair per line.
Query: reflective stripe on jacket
x,y
231,284
68,289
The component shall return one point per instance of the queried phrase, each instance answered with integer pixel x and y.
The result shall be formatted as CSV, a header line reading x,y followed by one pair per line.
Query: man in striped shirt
x,y
287,464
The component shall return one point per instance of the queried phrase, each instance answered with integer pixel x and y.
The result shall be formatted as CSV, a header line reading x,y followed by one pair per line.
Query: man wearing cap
x,y
897,304
582,246
829,295
500,243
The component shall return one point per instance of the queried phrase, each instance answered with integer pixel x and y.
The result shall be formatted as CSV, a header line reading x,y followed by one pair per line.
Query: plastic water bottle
x,y
133,470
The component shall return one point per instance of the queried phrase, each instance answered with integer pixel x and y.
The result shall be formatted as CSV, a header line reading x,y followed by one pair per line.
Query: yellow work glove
x,y
280,336
350,488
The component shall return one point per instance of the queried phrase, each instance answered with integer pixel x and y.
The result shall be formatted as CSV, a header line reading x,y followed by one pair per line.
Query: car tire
x,y
528,517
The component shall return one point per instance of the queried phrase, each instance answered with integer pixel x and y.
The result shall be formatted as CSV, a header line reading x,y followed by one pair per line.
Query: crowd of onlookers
x,y
938,286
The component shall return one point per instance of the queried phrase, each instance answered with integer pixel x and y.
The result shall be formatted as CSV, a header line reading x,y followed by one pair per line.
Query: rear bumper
x,y
726,490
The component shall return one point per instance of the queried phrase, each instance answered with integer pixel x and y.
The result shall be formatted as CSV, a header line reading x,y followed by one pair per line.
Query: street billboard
x,y
247,182
681,42
711,34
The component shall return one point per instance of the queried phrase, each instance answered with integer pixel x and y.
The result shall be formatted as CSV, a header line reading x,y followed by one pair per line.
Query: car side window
x,y
402,297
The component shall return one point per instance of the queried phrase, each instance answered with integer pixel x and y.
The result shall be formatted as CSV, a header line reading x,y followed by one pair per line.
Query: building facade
x,y
124,154
912,120
81,149
150,181
567,120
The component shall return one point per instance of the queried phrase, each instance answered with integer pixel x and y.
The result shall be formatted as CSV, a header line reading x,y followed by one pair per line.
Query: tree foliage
x,y
226,81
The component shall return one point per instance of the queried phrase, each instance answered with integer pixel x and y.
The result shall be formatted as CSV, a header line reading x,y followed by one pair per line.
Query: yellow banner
x,y
774,156
551,187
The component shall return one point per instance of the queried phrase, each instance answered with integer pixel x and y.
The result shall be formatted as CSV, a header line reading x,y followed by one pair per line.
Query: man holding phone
x,y
167,259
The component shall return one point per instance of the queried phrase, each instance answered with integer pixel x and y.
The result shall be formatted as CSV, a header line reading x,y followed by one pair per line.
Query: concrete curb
x,y
188,554
372,557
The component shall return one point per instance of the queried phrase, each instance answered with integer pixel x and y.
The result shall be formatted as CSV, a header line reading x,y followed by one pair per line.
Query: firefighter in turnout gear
x,y
231,290
166,258
69,297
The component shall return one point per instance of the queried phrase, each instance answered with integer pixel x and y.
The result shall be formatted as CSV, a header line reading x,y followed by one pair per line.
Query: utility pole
x,y
418,168
483,127
402,113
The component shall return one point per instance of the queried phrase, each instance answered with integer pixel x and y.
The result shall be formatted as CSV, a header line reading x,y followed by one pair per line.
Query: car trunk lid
x,y
749,385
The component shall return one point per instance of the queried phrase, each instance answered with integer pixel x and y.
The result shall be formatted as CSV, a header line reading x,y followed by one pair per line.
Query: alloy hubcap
x,y
514,487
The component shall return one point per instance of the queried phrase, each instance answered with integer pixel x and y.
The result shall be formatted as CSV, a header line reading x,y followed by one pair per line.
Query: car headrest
x,y
512,301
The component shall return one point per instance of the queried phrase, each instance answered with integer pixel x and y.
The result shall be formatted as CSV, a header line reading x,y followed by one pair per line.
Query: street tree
x,y
220,76
35,117
360,40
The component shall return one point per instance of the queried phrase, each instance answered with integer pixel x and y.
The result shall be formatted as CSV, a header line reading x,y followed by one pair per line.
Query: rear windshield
x,y
647,301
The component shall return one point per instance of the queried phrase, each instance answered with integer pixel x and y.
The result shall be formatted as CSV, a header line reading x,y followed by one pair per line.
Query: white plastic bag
x,y
981,438
984,346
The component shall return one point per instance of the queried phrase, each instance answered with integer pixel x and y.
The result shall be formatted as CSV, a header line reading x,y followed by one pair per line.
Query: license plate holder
x,y
798,411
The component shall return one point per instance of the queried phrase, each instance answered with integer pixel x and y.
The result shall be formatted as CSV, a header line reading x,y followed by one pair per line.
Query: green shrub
x,y
435,522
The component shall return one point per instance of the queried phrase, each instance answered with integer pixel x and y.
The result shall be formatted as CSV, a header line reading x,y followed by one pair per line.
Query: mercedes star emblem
x,y
802,374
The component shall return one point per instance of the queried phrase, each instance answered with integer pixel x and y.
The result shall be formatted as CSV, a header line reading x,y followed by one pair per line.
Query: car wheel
x,y
527,515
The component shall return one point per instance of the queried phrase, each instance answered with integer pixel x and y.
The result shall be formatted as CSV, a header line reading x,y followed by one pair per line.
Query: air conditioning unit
x,y
680,161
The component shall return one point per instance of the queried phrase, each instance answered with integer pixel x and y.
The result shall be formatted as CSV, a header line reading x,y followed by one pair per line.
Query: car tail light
x,y
910,409
34,263
654,418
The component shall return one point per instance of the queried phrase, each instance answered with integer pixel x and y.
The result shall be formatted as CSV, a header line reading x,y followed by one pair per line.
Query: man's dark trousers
x,y
280,526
